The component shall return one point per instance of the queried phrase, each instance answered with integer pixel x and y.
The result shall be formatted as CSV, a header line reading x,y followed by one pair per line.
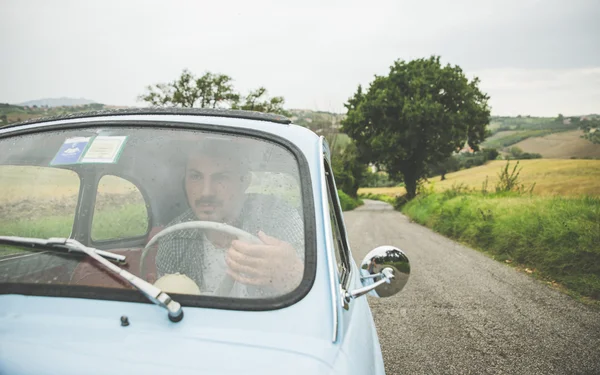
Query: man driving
x,y
217,175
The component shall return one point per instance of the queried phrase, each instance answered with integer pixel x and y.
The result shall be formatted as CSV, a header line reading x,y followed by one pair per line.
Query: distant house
x,y
466,150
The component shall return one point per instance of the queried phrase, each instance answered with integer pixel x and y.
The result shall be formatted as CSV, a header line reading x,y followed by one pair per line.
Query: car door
x,y
356,333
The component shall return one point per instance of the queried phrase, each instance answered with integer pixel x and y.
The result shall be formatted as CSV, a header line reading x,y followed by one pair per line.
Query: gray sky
x,y
538,57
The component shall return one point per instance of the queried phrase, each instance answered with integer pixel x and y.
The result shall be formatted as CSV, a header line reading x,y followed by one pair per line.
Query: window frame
x,y
339,286
129,241
343,279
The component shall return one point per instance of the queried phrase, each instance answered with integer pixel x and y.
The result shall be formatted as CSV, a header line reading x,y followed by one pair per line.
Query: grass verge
x,y
348,203
378,197
555,238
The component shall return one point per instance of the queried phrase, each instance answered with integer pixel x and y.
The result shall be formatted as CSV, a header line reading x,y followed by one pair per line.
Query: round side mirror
x,y
372,266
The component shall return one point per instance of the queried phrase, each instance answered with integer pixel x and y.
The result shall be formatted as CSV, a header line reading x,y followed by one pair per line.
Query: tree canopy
x,y
209,91
257,100
417,115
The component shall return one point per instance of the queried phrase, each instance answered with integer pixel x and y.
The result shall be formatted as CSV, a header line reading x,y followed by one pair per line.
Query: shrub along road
x,y
465,313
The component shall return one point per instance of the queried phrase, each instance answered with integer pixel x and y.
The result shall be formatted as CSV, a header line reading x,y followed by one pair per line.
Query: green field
x,y
517,136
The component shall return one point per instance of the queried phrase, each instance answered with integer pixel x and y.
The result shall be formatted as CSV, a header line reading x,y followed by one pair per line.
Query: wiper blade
x,y
56,244
153,293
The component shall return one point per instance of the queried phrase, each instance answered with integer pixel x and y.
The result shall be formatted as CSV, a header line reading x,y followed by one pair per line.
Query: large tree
x,y
417,115
208,91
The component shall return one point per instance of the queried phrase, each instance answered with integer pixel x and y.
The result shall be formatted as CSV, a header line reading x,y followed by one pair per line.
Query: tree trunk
x,y
410,182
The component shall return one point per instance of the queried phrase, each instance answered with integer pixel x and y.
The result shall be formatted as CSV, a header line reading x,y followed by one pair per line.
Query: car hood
x,y
39,342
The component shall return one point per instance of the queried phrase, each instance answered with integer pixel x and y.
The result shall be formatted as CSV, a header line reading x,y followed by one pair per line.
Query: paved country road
x,y
464,313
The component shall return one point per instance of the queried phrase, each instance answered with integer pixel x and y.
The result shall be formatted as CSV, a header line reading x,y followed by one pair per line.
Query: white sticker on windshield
x,y
104,149
70,151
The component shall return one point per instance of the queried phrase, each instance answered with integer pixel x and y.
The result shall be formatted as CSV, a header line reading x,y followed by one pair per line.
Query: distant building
x,y
466,150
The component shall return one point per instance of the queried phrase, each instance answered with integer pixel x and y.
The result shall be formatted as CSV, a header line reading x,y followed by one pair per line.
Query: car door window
x,y
339,243
36,202
120,210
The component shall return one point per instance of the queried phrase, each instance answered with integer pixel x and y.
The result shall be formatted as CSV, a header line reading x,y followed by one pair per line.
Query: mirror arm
x,y
386,274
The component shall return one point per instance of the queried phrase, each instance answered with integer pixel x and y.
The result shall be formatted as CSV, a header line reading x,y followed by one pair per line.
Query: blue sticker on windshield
x,y
70,152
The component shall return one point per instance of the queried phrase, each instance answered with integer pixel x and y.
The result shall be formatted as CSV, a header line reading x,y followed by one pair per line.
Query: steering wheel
x,y
226,286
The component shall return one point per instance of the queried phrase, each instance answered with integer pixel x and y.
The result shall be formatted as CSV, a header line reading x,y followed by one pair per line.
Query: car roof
x,y
271,123
209,112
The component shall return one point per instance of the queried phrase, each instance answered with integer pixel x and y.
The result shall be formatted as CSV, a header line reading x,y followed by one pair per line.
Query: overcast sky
x,y
537,57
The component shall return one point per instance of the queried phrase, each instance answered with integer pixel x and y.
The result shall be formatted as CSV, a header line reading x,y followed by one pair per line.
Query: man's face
x,y
214,187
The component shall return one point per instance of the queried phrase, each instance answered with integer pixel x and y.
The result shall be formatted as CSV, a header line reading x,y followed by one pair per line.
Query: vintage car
x,y
180,241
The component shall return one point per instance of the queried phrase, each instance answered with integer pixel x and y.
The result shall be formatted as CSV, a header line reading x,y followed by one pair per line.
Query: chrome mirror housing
x,y
383,272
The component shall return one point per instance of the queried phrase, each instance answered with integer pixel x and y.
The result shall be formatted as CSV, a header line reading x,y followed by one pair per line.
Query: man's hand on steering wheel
x,y
273,263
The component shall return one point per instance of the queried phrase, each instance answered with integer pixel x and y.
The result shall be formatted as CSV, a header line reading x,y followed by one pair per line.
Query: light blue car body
x,y
316,335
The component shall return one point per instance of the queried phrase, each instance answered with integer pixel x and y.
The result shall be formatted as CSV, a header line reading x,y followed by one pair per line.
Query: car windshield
x,y
195,212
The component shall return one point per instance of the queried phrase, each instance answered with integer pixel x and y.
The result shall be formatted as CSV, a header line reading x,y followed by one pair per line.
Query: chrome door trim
x,y
329,243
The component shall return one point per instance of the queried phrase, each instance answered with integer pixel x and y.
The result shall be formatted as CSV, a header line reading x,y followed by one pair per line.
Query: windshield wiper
x,y
153,293
57,244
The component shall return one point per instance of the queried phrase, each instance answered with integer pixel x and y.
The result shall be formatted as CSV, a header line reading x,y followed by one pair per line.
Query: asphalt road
x,y
465,313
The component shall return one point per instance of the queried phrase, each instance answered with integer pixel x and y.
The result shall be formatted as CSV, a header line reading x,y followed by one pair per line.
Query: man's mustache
x,y
207,201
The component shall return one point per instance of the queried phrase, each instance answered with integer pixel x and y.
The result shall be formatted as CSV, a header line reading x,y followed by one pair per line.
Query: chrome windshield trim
x,y
329,243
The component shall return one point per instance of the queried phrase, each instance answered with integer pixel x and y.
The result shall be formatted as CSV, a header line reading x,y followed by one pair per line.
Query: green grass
x,y
556,237
378,197
348,203
50,226
126,221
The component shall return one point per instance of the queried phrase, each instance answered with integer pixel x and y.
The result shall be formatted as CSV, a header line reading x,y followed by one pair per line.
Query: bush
x,y
348,203
490,153
532,155
517,153
509,181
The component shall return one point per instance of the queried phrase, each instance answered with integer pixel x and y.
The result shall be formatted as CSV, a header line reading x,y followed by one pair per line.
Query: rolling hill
x,y
57,102
563,145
